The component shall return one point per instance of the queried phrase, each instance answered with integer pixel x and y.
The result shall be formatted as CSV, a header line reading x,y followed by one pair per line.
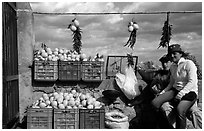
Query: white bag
x,y
128,83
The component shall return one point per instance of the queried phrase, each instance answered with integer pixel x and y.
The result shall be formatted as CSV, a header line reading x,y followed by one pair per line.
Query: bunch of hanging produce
x,y
132,28
76,30
166,35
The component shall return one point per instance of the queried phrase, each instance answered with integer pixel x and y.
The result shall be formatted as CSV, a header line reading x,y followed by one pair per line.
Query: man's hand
x,y
179,95
156,89
162,92
167,106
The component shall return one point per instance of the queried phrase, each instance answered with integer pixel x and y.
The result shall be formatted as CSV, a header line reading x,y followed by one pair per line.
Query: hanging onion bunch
x,y
166,35
132,27
74,27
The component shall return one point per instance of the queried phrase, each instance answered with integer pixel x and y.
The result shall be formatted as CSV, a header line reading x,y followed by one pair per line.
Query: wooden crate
x,y
39,118
92,71
45,70
69,70
92,118
66,119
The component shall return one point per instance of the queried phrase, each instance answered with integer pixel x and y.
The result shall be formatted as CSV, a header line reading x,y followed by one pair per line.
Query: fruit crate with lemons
x,y
92,118
45,70
69,70
66,119
39,118
92,70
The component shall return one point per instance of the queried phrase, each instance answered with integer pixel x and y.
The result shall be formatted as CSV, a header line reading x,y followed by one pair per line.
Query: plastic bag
x,y
128,83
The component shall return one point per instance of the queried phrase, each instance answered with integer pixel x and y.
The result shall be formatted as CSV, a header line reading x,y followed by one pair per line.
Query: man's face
x,y
176,56
167,65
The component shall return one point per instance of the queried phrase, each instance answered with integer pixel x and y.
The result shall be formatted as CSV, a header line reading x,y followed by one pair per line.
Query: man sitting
x,y
160,81
194,114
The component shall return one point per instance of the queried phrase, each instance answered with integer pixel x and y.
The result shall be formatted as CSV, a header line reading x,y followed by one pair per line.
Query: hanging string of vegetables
x,y
132,27
74,27
166,35
130,60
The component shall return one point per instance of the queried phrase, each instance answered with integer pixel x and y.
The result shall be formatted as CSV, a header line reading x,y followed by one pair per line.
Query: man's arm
x,y
170,85
192,78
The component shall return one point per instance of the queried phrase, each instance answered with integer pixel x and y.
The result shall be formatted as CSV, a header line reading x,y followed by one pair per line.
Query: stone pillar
x,y
26,40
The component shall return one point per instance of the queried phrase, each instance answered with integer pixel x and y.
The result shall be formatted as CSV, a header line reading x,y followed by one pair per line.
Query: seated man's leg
x,y
157,102
167,96
170,113
196,116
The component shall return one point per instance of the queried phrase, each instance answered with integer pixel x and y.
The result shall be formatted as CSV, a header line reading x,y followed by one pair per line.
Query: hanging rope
x,y
115,13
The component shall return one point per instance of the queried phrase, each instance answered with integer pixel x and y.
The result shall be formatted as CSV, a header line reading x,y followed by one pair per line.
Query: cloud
x,y
106,34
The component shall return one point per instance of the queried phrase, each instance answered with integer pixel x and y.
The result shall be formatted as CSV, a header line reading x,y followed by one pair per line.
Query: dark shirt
x,y
161,79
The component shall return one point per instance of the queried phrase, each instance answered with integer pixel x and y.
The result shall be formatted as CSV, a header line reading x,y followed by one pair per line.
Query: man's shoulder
x,y
189,62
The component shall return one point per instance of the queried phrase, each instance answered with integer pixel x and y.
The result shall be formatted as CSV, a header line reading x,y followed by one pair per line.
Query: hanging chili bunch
x,y
166,35
130,60
74,27
132,27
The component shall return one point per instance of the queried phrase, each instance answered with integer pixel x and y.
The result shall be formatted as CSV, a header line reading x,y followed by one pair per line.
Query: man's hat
x,y
175,48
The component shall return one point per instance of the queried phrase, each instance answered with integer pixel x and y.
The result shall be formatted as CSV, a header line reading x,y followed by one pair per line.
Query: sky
x,y
106,34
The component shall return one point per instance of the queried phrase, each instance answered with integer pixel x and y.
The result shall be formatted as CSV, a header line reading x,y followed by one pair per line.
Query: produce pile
x,y
69,98
62,54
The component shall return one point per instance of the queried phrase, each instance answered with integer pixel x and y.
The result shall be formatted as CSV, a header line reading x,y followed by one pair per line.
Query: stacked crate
x,y
66,118
91,118
92,70
45,70
69,70
48,118
39,118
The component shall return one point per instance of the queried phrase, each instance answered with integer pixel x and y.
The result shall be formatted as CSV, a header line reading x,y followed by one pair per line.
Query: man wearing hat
x,y
182,88
194,112
161,78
